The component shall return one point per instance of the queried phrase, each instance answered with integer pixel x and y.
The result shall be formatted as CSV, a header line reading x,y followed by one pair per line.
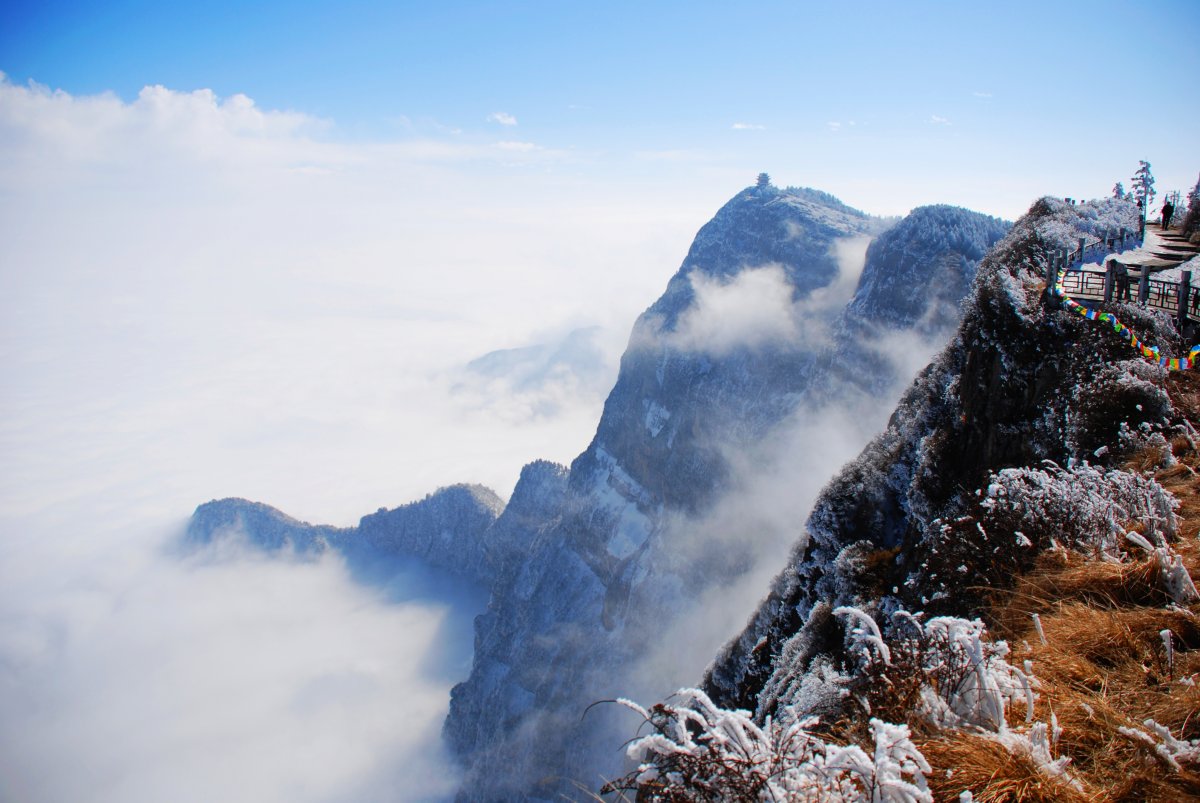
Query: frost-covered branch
x,y
1172,751
697,751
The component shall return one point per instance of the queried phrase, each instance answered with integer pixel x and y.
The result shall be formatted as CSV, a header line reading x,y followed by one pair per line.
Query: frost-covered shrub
x,y
1062,224
1191,218
1119,396
946,674
1027,510
1173,575
1083,507
698,751
944,670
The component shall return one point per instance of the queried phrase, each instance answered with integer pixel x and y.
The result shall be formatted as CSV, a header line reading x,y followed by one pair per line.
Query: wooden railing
x,y
1106,285
1099,247
1096,285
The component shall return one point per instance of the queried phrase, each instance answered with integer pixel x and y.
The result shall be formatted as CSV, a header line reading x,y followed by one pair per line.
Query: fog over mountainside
x,y
1007,391
773,355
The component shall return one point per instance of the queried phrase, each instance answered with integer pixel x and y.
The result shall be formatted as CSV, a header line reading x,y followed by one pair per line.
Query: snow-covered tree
x,y
1142,184
1119,191
1191,218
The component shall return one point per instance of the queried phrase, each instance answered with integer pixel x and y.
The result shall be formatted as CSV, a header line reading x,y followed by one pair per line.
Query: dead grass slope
x,y
1103,667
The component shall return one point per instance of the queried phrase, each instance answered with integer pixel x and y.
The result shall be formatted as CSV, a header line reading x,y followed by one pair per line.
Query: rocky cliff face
x,y
736,344
1022,382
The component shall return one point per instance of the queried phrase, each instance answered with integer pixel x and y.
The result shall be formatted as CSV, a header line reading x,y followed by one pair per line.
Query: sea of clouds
x,y
199,299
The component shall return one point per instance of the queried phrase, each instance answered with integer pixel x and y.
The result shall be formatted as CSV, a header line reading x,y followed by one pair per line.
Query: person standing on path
x,y
1122,281
1167,211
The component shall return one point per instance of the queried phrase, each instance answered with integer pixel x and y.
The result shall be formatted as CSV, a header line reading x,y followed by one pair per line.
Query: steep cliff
x,y
905,525
733,350
789,303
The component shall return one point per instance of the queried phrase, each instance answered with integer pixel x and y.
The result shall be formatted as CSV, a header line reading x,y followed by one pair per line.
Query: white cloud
x,y
936,120
834,125
131,675
982,94
521,147
503,118
753,309
748,127
202,298
674,155
561,372
756,307
760,519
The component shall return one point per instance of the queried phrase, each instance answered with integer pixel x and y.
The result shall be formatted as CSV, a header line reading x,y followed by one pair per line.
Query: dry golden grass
x,y
1103,665
992,772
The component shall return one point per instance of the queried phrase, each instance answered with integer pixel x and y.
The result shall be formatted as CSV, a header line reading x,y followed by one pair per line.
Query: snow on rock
x,y
602,577
962,462
445,529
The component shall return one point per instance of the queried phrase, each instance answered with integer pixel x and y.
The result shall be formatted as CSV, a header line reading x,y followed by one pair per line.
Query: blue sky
x,y
886,104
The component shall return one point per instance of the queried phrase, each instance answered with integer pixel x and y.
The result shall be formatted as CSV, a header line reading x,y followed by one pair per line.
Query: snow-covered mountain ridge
x,y
1020,383
699,386
447,529
1040,451
766,326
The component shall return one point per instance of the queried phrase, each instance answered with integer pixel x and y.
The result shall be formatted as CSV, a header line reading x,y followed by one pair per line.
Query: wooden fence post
x,y
1082,241
1185,290
1051,273
1144,287
1110,279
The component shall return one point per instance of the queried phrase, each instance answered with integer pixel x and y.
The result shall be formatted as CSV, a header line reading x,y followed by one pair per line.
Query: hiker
x,y
1122,281
1167,211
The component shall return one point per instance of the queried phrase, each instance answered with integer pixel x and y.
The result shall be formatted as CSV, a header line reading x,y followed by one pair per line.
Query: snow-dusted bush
x,y
1062,224
1191,217
697,751
942,673
1173,574
948,674
944,670
1117,397
1027,510
1083,507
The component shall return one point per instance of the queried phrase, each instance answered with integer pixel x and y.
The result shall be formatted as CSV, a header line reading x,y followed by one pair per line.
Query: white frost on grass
x,y
864,634
697,745
1172,751
1088,504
